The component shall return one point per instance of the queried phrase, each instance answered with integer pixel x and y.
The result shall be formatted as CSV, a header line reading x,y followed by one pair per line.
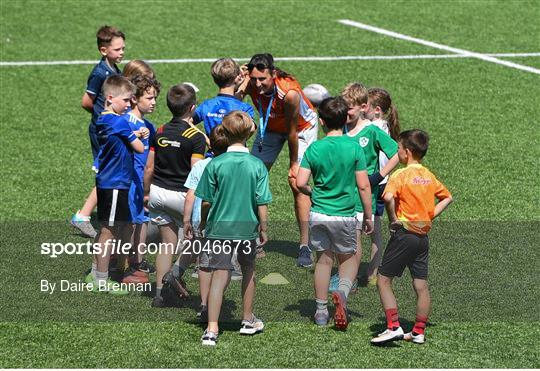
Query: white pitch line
x,y
463,52
288,59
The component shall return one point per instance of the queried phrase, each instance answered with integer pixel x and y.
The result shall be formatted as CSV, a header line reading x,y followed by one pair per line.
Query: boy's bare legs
x,y
423,307
376,250
248,291
90,203
205,279
169,239
102,259
139,240
384,284
220,280
348,268
323,270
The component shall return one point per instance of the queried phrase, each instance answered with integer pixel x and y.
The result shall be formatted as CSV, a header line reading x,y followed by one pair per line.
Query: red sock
x,y
392,318
420,325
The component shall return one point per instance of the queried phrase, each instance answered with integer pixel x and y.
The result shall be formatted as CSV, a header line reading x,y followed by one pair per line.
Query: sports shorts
x,y
334,233
218,253
166,206
113,206
273,144
406,249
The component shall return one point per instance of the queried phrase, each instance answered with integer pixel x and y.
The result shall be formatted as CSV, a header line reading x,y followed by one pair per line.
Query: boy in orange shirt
x,y
410,202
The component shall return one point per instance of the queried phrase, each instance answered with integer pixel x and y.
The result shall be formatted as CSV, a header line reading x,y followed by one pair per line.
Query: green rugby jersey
x,y
333,162
373,140
234,183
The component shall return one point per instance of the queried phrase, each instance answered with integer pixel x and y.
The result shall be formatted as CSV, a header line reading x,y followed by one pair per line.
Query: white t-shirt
x,y
192,182
383,160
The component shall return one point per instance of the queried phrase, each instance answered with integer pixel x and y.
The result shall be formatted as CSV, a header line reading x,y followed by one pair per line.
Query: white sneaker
x,y
209,338
387,336
252,327
417,339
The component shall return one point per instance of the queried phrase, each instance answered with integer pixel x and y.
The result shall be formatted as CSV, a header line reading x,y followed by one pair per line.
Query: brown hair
x,y
218,140
416,141
116,85
224,72
143,84
237,126
333,111
180,99
355,93
105,34
138,67
380,97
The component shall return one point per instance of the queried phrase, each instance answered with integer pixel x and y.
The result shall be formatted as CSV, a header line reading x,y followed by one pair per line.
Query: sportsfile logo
x,y
56,249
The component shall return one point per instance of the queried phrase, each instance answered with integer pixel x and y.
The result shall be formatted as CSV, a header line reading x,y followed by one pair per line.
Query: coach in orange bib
x,y
285,115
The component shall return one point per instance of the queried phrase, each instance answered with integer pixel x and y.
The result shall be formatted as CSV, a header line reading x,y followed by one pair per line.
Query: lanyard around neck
x,y
263,122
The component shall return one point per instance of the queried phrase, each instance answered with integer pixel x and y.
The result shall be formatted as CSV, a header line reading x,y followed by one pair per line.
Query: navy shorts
x,y
406,249
94,143
113,207
379,207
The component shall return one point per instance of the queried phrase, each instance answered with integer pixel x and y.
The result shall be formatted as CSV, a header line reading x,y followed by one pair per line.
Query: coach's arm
x,y
291,110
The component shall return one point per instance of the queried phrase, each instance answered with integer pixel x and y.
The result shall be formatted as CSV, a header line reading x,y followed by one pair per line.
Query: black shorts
x,y
113,206
219,252
406,249
379,207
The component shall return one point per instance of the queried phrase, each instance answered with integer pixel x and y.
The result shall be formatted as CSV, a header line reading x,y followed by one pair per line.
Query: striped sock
x,y
420,325
392,318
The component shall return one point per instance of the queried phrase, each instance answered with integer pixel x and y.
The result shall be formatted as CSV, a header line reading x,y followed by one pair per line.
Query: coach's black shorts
x,y
219,252
113,206
379,207
406,249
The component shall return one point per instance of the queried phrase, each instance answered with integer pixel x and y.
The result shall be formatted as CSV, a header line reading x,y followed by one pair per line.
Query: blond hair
x,y
117,85
224,71
138,67
355,94
237,126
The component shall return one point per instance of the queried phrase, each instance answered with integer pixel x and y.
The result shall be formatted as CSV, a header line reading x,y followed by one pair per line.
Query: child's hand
x,y
144,132
367,226
395,226
263,238
188,231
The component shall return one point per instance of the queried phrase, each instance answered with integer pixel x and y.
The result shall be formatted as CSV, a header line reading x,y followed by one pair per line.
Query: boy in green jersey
x,y
338,167
235,192
373,140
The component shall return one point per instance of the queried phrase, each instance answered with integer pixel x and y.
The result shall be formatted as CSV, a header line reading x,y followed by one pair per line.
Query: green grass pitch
x,y
482,118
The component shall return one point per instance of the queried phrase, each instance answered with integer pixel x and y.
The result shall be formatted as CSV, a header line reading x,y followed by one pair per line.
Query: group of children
x,y
216,200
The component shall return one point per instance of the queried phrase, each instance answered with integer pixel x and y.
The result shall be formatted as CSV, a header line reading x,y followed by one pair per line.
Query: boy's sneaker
x,y
372,281
251,327
415,338
322,317
135,276
334,283
202,313
209,338
177,284
145,266
82,223
89,278
387,336
304,257
158,302
195,273
110,287
341,319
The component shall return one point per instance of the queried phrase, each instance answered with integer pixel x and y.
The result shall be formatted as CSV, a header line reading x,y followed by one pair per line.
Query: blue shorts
x,y
136,204
379,208
94,143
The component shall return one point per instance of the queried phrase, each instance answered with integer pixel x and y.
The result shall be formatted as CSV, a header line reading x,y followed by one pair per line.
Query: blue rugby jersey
x,y
140,158
97,77
212,110
116,157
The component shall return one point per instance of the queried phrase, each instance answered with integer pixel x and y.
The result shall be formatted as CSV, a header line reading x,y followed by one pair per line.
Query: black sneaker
x,y
145,266
158,302
209,338
202,313
176,283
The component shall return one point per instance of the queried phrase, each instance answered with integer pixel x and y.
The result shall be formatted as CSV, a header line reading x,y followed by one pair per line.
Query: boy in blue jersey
x,y
144,102
114,177
111,45
228,77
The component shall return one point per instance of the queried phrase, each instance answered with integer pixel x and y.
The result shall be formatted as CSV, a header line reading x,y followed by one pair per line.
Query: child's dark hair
x,y
266,61
218,140
224,72
180,99
333,111
380,97
416,141
143,84
105,34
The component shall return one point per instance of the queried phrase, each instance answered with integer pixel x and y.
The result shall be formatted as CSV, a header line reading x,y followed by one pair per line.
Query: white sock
x,y
101,277
322,305
94,270
345,286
